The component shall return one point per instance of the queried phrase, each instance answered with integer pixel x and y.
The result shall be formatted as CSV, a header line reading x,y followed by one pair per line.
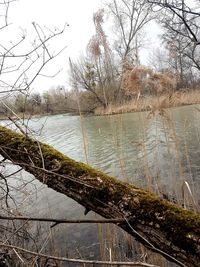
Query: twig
x,y
18,256
7,189
118,263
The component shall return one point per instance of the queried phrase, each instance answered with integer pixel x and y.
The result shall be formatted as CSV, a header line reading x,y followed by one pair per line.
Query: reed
x,y
151,103
180,188
111,243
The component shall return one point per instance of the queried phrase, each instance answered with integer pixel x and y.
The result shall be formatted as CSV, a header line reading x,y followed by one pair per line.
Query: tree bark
x,y
156,223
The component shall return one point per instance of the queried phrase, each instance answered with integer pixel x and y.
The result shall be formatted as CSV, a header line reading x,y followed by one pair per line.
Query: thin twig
x,y
118,263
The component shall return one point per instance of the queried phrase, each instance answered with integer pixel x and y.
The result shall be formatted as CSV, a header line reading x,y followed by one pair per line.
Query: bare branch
x,y
91,262
152,221
59,221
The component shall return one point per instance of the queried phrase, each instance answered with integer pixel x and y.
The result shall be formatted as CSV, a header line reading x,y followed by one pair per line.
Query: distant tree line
x,y
53,101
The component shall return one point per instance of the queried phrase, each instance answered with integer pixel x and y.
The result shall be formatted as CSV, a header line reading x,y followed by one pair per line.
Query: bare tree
x,y
158,59
130,17
178,62
85,76
182,20
101,56
95,72
101,72
22,61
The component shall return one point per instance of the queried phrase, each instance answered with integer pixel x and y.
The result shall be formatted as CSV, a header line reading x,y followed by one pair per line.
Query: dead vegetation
x,y
140,80
153,102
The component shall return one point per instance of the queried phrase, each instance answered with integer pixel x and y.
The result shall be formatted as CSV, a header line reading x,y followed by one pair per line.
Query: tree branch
x,y
40,255
158,224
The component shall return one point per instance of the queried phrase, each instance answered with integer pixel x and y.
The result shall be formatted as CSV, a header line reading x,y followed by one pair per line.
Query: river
x,y
157,151
143,148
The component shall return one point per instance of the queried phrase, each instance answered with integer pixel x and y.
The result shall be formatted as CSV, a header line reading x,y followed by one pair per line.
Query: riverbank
x,y
26,116
146,103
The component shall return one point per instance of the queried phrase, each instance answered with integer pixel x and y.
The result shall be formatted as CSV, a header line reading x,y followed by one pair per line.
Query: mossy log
x,y
156,223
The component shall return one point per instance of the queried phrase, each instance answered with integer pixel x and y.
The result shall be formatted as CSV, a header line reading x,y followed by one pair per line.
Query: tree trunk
x,y
158,224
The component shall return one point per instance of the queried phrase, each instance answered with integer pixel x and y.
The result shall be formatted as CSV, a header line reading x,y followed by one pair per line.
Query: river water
x,y
143,148
157,151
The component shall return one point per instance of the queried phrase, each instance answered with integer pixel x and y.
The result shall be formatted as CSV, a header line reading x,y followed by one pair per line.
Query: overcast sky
x,y
77,13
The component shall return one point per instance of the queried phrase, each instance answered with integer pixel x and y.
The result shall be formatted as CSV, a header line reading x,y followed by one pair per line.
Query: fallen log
x,y
158,224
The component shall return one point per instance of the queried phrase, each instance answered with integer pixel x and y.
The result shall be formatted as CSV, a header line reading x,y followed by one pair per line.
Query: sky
x,y
77,13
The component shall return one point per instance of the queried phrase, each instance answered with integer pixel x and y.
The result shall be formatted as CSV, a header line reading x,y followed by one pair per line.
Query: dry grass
x,y
152,103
